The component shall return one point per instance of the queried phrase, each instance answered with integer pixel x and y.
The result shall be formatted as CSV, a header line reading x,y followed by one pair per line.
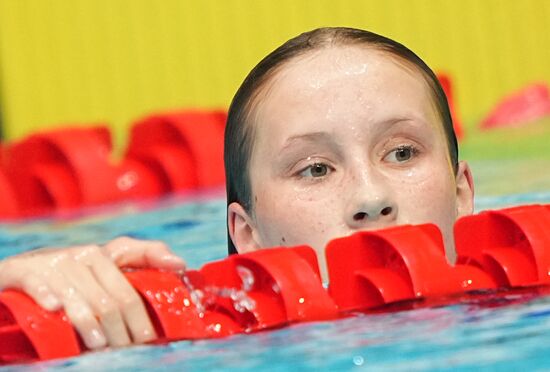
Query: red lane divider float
x,y
185,148
508,248
370,269
70,168
9,207
512,245
61,170
521,107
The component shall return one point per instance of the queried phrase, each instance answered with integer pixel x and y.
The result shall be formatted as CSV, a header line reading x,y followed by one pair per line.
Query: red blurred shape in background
x,y
61,169
68,168
185,148
447,85
9,208
519,108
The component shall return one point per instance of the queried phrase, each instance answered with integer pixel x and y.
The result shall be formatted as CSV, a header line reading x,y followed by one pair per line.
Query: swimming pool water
x,y
506,332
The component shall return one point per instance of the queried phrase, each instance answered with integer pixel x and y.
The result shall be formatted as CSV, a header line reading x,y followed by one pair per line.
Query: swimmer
x,y
336,131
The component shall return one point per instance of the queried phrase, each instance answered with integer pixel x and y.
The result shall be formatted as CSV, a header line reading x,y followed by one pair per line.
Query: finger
x,y
143,253
40,292
101,303
77,310
132,308
14,275
7,273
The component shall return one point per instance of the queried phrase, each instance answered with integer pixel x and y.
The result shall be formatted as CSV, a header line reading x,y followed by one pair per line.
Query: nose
x,y
371,205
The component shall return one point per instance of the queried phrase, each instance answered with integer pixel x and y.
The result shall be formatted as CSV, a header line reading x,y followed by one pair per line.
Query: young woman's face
x,y
347,139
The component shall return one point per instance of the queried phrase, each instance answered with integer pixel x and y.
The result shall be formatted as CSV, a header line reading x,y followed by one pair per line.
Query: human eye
x,y
401,154
315,170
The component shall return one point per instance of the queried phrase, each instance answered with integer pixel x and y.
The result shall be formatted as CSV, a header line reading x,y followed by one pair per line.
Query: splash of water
x,y
205,298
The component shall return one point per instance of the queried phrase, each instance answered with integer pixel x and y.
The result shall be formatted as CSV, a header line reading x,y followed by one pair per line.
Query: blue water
x,y
467,336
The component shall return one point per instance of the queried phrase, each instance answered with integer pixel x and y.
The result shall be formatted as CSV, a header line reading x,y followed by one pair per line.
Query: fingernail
x,y
146,335
95,339
173,259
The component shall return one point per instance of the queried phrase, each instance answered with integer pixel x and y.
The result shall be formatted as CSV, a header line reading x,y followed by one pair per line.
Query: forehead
x,y
334,86
317,68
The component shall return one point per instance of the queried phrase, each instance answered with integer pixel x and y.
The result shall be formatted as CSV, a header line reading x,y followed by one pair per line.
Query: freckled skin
x,y
370,121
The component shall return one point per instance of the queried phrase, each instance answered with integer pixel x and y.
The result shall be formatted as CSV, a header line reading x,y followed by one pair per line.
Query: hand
x,y
87,283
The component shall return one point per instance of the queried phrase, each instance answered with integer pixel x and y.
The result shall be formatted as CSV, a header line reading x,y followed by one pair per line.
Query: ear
x,y
241,229
464,190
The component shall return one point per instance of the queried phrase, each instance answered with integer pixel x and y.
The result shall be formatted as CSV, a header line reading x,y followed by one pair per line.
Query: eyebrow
x,y
313,137
326,138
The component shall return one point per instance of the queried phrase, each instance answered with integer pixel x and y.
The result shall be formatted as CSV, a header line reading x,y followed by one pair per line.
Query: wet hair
x,y
239,130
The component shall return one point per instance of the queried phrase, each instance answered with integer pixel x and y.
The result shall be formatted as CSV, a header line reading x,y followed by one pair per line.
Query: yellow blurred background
x,y
88,61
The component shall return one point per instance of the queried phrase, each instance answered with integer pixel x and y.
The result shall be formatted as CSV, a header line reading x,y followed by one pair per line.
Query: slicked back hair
x,y
239,130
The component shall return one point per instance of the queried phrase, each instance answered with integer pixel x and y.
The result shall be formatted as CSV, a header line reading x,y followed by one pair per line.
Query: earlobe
x,y
464,190
241,229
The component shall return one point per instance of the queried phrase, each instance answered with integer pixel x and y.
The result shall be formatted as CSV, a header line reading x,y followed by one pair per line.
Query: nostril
x,y
359,216
386,211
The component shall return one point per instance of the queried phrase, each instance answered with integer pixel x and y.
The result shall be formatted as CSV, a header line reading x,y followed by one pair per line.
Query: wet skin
x,y
347,139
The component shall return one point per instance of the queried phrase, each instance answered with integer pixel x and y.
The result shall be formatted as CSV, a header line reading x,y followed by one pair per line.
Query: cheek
x,y
287,216
428,195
